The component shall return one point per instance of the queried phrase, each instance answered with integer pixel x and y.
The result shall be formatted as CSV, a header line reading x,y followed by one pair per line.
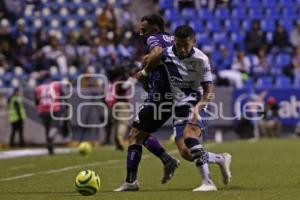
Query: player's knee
x,y
132,139
191,131
136,136
185,153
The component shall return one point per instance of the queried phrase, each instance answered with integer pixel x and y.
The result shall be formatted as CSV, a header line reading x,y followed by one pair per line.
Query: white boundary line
x,y
54,171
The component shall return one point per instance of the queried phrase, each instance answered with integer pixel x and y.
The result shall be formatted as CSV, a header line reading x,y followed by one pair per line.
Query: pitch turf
x,y
268,169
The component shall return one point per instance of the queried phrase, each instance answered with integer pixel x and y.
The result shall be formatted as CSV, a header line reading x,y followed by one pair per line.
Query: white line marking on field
x,y
18,177
53,171
20,167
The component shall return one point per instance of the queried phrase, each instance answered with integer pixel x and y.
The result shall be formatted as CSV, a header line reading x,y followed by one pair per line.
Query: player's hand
x,y
143,80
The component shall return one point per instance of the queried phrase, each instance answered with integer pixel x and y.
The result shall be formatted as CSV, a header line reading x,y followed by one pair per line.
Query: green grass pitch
x,y
268,169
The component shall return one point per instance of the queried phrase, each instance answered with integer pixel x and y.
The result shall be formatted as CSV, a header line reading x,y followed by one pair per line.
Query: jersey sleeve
x,y
206,73
152,42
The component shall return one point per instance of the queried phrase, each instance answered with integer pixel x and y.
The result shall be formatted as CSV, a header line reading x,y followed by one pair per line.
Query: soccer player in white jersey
x,y
189,73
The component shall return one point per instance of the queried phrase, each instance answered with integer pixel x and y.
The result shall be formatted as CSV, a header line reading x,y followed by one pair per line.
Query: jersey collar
x,y
188,56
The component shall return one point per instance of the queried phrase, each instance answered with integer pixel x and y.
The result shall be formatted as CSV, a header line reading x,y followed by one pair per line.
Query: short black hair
x,y
155,19
184,31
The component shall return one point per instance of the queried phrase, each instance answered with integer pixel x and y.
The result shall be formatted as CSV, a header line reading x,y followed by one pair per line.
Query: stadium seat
x,y
206,14
248,84
253,3
232,25
54,23
287,24
272,13
297,81
188,13
239,13
166,4
264,82
287,3
290,13
269,3
282,60
246,24
200,37
256,13
214,26
171,15
268,25
220,37
237,37
176,23
237,3
197,25
283,82
222,13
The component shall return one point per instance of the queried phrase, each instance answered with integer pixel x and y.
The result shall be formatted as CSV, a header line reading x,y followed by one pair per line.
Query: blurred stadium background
x,y
254,47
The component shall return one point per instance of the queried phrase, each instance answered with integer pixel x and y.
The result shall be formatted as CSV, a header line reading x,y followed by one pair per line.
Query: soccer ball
x,y
87,182
85,148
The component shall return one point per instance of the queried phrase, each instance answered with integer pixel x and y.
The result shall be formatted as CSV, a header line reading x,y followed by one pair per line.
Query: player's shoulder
x,y
199,54
168,52
163,36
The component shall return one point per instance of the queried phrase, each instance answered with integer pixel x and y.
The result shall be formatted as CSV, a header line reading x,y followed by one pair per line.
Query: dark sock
x,y
134,156
153,145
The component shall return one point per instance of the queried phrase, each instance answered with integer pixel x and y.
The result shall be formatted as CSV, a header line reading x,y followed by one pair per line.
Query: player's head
x,y
184,40
151,24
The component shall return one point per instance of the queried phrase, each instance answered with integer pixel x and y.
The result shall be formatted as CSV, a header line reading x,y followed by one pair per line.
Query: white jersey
x,y
186,75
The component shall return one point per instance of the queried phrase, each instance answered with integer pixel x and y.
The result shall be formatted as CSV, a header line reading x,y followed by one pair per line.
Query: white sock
x,y
215,158
204,172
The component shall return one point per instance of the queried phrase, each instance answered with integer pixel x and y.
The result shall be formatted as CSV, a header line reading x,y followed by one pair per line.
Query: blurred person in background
x,y
269,125
297,129
22,53
239,71
6,40
53,53
261,64
107,19
255,38
72,50
117,101
47,100
17,116
280,40
296,62
295,36
86,34
241,63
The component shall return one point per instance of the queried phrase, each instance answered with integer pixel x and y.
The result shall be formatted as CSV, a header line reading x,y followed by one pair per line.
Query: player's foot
x,y
225,168
128,187
206,187
169,169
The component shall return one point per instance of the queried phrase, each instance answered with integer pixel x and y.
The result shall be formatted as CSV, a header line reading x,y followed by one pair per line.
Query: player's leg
x,y
222,160
134,155
46,119
170,163
191,134
151,118
12,135
183,150
20,127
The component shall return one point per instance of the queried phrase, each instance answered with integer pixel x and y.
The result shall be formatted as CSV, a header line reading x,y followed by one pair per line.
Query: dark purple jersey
x,y
158,78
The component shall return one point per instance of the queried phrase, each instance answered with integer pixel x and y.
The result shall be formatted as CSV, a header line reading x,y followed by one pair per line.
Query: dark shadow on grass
x,y
237,188
39,193
152,190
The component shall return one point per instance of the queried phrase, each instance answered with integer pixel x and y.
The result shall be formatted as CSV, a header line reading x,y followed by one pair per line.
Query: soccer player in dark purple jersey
x,y
149,118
